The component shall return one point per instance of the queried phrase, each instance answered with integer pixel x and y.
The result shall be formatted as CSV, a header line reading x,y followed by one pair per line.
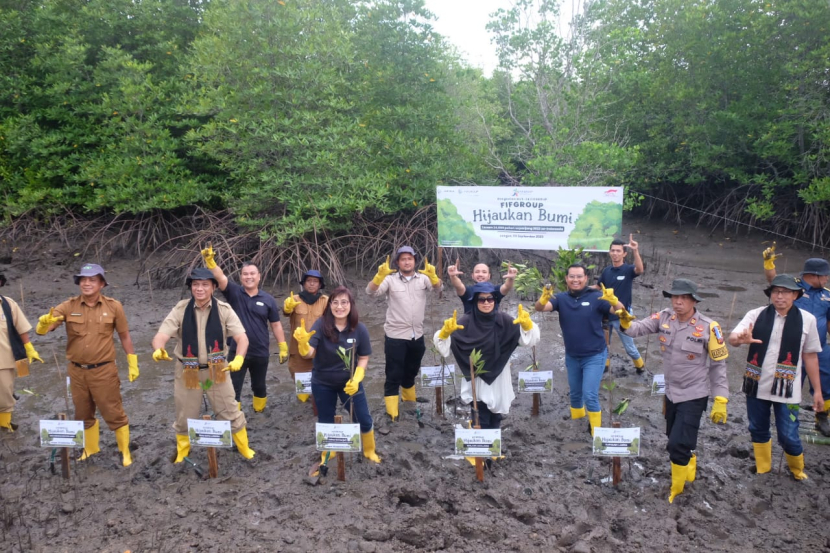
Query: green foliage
x,y
206,385
596,226
564,259
478,362
529,282
453,230
346,355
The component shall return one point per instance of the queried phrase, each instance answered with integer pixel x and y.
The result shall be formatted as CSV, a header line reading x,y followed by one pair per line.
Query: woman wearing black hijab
x,y
496,335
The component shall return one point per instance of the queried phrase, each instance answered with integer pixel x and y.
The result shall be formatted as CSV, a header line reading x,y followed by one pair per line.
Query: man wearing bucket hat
x,y
406,293
260,315
783,343
91,318
16,353
306,307
694,363
816,301
202,325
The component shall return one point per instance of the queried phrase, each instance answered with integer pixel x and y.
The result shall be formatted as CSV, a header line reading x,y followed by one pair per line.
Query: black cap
x,y
816,266
785,281
200,273
682,287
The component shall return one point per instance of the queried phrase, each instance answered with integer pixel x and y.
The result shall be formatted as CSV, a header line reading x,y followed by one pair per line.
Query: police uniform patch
x,y
664,325
699,328
655,315
717,349
662,338
662,348
693,321
690,356
697,334
673,317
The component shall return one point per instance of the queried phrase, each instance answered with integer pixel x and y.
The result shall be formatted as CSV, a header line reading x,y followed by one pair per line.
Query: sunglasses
x,y
486,299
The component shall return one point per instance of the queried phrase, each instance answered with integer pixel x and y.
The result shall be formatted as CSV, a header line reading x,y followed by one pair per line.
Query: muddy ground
x,y
548,493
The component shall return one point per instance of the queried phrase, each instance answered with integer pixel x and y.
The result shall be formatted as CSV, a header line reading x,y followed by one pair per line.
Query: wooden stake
x,y
616,470
479,463
64,455
534,411
213,462
341,460
439,401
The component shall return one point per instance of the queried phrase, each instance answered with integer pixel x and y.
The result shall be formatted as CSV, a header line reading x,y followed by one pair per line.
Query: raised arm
x,y
635,249
216,271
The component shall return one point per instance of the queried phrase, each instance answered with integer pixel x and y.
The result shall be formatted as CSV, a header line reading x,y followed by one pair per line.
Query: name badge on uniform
x,y
259,303
75,314
621,277
586,303
350,340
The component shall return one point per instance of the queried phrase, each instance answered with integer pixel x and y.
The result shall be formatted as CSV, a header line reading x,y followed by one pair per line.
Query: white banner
x,y
529,217
338,437
209,433
617,442
61,433
472,442
535,382
437,376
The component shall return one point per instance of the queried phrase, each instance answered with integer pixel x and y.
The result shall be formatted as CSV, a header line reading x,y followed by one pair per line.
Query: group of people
x,y
786,339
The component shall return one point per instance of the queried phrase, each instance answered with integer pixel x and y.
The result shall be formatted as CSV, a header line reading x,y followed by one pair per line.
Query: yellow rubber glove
x,y
450,326
384,270
236,364
45,321
718,414
31,354
302,336
207,255
160,355
352,385
283,352
132,366
429,272
290,304
625,318
547,293
608,295
523,318
769,258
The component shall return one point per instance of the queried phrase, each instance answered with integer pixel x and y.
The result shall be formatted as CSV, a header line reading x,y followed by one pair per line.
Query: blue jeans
x,y
627,341
786,423
326,398
584,377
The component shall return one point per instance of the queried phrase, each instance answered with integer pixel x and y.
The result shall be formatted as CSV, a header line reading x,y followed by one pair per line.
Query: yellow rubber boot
x,y
595,419
408,394
796,464
92,437
122,438
182,447
578,413
678,480
259,404
303,397
691,471
369,446
392,406
241,441
639,364
6,421
763,457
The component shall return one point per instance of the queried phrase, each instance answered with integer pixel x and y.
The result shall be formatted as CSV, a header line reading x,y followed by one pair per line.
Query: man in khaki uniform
x,y
308,306
694,363
91,319
204,323
16,352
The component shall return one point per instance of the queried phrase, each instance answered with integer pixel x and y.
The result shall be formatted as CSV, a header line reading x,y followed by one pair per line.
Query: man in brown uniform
x,y
203,324
694,363
308,307
91,319
16,352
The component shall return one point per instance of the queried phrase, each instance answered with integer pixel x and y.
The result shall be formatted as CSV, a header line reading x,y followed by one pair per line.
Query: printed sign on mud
x,y
435,377
302,383
61,433
617,442
535,382
658,384
338,437
209,433
471,442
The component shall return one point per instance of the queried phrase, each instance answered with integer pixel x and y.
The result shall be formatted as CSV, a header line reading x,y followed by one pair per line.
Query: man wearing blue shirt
x,y
816,301
620,277
581,311
260,317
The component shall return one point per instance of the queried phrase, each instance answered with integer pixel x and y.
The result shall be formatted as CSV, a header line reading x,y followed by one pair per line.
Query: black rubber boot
x,y
822,424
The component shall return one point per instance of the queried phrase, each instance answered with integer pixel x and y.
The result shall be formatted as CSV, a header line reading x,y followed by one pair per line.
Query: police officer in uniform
x,y
694,363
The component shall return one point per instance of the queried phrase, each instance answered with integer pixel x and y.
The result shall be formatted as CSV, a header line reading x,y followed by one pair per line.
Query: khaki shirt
x,y
89,329
406,303
810,343
172,326
689,371
20,324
